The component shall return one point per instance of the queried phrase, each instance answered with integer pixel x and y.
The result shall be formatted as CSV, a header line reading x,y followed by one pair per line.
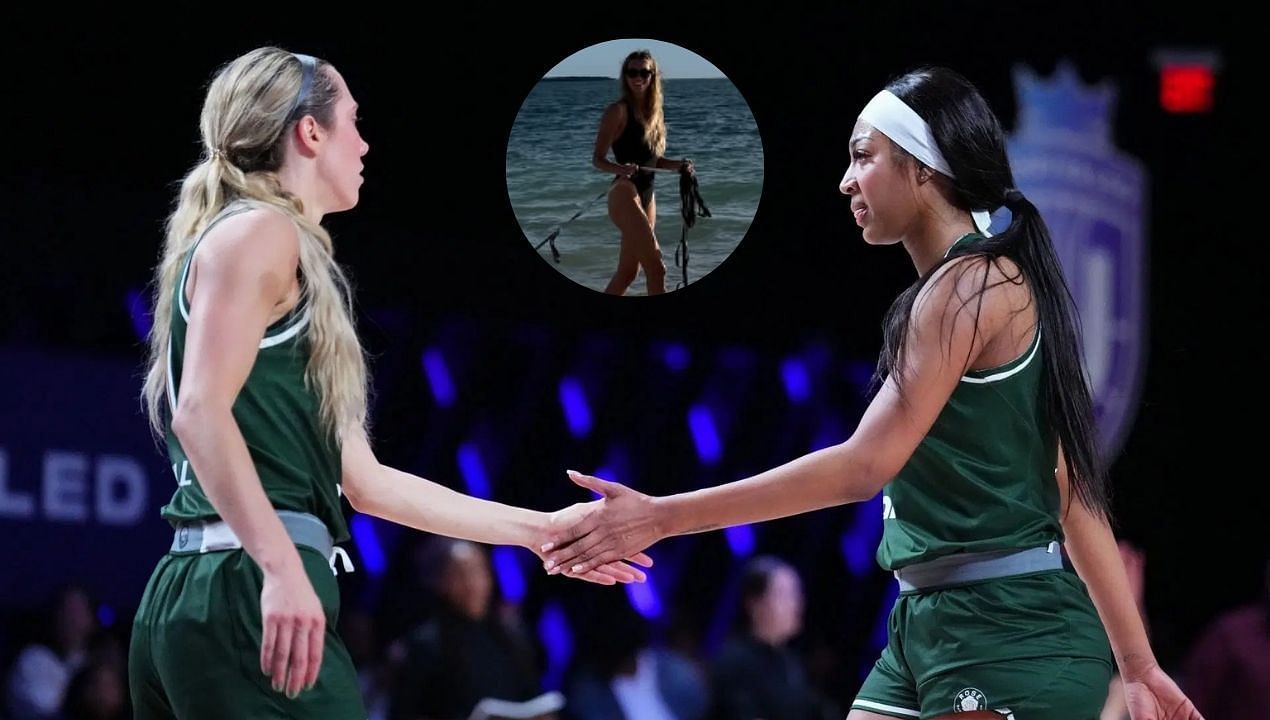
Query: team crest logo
x,y
969,700
1092,197
183,537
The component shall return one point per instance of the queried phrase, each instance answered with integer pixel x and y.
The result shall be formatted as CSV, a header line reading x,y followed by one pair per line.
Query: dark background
x,y
100,119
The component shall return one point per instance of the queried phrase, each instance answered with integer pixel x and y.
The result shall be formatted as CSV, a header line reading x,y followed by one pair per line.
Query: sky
x,y
605,59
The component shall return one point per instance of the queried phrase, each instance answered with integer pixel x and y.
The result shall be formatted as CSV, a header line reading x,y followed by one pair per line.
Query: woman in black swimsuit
x,y
636,131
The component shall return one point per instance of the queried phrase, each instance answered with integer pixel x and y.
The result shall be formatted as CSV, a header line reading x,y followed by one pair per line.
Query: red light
x,y
1186,88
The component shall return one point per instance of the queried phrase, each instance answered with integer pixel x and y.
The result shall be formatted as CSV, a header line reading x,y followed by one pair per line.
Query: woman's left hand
x,y
1154,696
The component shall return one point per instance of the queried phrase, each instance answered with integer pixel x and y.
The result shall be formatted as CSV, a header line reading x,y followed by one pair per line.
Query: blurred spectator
x,y
98,691
756,674
43,669
408,596
621,675
1228,670
685,675
466,652
357,627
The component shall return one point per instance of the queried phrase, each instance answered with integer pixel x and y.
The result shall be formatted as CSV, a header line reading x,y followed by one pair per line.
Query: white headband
x,y
893,117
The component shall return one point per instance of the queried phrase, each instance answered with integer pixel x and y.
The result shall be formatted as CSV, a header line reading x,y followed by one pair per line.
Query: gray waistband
x,y
204,537
955,570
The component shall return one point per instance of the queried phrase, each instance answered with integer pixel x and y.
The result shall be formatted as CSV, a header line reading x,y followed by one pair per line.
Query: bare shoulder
x,y
614,115
260,237
1010,289
958,279
988,291
616,110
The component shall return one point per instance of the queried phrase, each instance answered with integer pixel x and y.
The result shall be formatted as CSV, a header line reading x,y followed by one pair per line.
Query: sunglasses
x,y
638,73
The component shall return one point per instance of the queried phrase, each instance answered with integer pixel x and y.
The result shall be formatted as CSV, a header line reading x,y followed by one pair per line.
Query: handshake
x,y
600,541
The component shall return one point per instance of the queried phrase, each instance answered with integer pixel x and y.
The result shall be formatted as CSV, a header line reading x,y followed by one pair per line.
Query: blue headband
x,y
309,64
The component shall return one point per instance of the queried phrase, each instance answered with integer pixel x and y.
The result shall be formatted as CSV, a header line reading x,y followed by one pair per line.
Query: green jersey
x,y
297,460
983,477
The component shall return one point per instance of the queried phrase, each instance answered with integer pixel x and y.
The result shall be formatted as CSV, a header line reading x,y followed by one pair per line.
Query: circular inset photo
x,y
634,167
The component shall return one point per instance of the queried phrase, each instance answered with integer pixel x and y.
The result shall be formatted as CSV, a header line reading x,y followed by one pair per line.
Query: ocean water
x,y
550,176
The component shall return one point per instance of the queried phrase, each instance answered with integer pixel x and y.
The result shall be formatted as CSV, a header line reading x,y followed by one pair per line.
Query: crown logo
x,y
1063,105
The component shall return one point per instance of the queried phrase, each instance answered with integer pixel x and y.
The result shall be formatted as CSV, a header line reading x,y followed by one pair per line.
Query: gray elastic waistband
x,y
955,570
204,537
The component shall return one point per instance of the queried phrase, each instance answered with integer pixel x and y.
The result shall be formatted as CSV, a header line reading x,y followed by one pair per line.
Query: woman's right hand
x,y
619,571
627,170
622,526
294,630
